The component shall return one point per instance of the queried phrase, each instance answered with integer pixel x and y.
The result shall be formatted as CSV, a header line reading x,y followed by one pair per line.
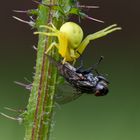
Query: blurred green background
x,y
114,117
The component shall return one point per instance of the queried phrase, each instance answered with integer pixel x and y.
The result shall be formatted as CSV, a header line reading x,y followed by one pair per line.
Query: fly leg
x,y
87,71
80,68
96,64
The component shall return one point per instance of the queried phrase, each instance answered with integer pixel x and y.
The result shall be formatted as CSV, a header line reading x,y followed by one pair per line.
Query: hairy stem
x,y
38,116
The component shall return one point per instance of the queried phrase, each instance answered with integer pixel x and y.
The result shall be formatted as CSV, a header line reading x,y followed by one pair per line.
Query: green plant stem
x,y
38,116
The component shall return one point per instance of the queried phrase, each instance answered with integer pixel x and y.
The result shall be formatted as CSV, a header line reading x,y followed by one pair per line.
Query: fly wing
x,y
65,93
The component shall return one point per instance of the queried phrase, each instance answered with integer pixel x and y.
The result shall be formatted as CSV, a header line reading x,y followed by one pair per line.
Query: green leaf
x,y
74,11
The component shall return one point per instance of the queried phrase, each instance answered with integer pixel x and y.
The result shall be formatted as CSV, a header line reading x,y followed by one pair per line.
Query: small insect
x,y
78,82
70,43
82,80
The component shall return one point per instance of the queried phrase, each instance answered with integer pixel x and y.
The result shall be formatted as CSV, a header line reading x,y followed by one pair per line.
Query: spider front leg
x,y
53,44
96,35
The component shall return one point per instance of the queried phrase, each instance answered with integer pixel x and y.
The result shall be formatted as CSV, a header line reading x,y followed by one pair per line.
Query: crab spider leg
x,y
109,27
64,60
72,53
54,44
96,35
53,26
62,45
48,27
47,34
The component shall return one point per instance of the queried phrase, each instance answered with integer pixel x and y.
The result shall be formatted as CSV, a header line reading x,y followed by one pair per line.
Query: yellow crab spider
x,y
70,39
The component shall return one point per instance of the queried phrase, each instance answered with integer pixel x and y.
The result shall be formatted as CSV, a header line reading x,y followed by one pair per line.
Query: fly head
x,y
101,86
